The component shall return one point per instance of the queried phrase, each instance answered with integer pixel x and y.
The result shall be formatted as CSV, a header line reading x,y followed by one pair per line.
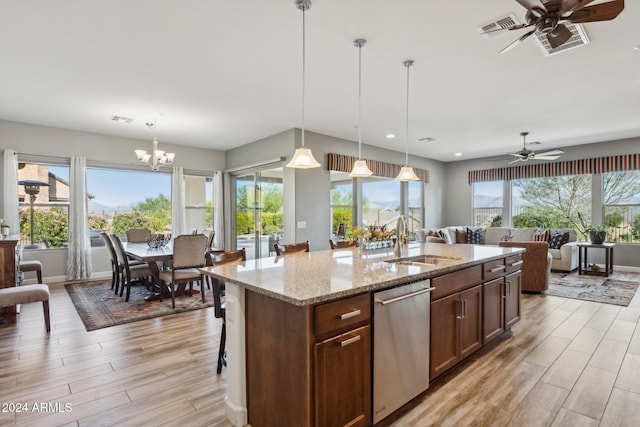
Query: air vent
x,y
495,28
578,38
121,119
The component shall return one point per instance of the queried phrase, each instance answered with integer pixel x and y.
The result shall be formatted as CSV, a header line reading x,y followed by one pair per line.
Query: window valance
x,y
572,167
342,163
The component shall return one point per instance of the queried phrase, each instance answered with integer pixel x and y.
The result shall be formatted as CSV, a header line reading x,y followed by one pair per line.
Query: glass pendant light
x,y
303,158
407,173
360,168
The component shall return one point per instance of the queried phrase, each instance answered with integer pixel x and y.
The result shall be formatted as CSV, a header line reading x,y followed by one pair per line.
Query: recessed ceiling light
x,y
427,139
457,154
637,47
121,119
390,136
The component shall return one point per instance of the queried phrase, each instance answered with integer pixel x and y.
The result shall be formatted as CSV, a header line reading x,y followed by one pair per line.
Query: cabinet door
x,y
493,316
343,379
444,348
471,322
513,284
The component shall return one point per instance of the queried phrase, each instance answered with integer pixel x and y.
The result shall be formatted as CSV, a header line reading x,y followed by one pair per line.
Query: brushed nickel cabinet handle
x,y
401,297
353,313
349,341
501,267
517,263
459,309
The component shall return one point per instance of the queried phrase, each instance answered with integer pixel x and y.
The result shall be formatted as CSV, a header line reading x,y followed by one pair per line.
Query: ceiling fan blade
x,y
516,42
515,27
540,157
599,12
571,5
531,4
559,36
550,153
516,161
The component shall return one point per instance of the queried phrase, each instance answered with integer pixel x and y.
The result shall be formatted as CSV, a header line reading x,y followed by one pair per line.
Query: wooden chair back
x,y
138,235
215,258
342,244
291,248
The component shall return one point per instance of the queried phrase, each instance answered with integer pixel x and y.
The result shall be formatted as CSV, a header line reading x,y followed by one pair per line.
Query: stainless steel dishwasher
x,y
400,346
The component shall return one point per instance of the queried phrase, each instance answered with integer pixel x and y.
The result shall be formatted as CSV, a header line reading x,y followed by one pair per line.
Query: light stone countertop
x,y
307,278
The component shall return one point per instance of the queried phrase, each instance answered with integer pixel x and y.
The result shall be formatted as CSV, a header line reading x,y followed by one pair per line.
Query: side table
x,y
583,264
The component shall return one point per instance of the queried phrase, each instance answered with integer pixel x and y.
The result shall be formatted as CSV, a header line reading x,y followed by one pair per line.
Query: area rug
x,y
592,288
98,307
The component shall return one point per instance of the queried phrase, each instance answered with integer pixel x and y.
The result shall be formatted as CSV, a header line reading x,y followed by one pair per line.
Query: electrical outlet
x,y
302,224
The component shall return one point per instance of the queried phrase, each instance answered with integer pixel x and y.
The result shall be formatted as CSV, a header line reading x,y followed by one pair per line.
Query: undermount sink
x,y
423,260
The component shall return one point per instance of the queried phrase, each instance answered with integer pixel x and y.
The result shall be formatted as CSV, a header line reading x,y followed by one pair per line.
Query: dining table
x,y
156,258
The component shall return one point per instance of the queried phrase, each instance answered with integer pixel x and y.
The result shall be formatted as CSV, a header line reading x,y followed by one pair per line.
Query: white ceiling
x,y
223,73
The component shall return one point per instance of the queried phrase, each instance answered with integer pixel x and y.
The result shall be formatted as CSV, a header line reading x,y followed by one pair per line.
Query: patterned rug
x,y
592,288
98,307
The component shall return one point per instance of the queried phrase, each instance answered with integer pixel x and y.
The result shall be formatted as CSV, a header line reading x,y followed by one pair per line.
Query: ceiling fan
x,y
546,16
526,154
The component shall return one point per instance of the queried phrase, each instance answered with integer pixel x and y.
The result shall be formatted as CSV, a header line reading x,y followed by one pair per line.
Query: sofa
x,y
564,258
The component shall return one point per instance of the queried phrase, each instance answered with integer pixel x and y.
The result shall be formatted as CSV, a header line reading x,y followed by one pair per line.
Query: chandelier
x,y
157,158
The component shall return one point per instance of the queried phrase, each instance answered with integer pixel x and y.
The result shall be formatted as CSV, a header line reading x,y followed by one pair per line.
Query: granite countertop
x,y
313,277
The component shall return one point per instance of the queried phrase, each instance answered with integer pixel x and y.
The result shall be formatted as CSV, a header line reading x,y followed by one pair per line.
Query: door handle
x,y
400,298
348,341
459,309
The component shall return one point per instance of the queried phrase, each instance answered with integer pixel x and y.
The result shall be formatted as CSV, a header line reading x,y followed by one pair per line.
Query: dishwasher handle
x,y
402,297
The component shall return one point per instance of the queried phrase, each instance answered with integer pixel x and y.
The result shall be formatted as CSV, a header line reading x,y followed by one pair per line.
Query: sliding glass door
x,y
259,220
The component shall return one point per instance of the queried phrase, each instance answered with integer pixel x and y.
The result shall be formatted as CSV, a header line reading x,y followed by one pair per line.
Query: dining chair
x,y
188,257
138,235
219,307
115,265
129,272
342,244
291,248
210,235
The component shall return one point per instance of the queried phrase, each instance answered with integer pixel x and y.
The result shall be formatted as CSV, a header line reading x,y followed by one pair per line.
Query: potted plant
x,y
4,227
597,233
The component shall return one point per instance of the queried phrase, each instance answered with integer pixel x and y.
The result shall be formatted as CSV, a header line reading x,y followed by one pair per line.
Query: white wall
x,y
49,141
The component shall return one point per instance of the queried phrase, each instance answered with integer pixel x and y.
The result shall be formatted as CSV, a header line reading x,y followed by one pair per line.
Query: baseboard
x,y
626,269
60,281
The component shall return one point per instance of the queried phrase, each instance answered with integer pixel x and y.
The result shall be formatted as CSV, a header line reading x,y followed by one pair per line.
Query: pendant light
x,y
303,158
360,168
407,173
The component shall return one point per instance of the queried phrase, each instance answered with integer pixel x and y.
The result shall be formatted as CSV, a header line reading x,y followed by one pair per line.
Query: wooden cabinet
x,y
343,362
456,329
513,286
8,275
316,356
343,379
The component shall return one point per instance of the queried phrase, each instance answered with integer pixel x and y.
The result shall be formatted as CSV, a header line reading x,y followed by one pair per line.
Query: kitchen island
x,y
285,316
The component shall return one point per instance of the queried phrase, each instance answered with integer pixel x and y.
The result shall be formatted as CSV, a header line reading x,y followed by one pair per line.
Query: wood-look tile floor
x,y
566,363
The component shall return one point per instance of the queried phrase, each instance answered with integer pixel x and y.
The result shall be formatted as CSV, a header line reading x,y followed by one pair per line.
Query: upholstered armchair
x,y
536,266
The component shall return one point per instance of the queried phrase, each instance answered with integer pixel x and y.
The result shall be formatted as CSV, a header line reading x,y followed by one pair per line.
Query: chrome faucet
x,y
401,237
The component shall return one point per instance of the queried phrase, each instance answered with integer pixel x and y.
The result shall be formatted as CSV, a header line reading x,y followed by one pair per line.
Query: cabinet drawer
x,y
342,315
493,269
456,281
513,263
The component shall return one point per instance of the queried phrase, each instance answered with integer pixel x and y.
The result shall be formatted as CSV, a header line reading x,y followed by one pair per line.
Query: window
x,y
380,202
557,202
621,203
415,220
341,204
199,202
44,217
487,204
124,199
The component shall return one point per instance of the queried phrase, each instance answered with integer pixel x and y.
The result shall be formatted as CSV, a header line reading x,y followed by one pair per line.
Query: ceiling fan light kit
x,y
551,18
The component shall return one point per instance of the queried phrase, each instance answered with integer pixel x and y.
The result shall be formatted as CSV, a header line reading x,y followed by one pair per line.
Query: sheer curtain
x,y
79,255
10,180
178,209
218,211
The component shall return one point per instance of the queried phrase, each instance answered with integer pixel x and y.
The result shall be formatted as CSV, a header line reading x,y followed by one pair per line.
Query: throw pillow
x,y
558,239
436,233
433,239
474,236
540,235
461,236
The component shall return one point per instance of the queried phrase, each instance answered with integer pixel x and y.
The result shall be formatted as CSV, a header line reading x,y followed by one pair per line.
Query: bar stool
x,y
36,266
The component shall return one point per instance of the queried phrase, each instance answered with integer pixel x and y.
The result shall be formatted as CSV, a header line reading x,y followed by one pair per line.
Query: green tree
x,y
50,224
158,210
271,195
124,221
98,223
